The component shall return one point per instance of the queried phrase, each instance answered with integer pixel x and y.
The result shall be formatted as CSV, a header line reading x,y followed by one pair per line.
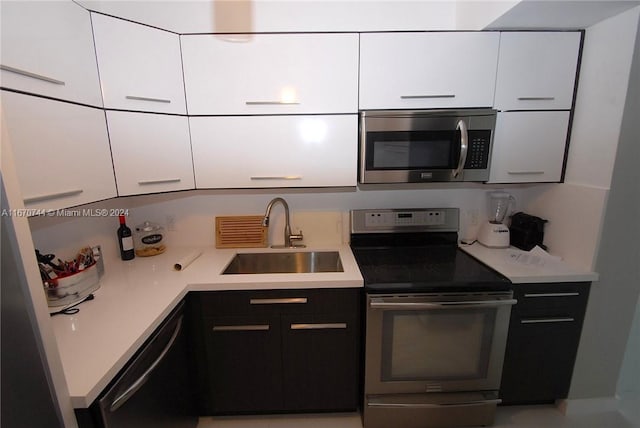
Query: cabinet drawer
x,y
549,298
264,302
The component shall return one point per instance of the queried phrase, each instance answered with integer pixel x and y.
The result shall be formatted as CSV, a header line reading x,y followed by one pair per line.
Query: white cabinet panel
x,y
140,67
537,70
529,146
151,152
61,151
274,151
271,74
47,49
427,70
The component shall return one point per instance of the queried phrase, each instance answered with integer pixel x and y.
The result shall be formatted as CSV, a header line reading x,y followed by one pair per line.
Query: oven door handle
x,y
464,146
384,304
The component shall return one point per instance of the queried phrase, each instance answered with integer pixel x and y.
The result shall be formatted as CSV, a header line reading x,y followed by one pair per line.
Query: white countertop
x,y
528,267
135,296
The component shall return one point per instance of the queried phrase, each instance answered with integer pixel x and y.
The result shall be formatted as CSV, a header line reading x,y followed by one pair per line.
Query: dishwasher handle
x,y
135,386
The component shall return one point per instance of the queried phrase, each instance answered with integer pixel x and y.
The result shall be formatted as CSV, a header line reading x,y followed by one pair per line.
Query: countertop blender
x,y
493,233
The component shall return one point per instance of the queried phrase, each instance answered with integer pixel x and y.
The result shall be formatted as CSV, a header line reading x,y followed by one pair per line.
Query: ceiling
x,y
208,16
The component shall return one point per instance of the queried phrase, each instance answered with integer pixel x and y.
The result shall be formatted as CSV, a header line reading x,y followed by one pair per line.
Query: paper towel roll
x,y
187,260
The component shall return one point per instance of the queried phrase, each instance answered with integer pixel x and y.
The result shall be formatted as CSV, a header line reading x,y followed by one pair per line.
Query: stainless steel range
x,y
436,321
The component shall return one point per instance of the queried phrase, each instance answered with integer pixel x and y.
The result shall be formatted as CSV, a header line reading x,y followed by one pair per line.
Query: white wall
x,y
594,215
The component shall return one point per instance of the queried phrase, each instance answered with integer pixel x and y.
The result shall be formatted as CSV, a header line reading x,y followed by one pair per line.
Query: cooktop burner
x,y
416,250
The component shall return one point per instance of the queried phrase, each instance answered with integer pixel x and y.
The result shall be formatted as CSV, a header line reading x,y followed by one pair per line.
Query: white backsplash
x,y
189,217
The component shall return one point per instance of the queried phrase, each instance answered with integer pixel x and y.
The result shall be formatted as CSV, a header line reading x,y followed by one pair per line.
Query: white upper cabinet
x,y
427,70
271,74
140,67
61,151
151,152
47,49
528,146
275,151
537,70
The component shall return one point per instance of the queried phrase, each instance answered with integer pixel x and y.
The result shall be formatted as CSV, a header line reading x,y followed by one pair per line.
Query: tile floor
x,y
507,417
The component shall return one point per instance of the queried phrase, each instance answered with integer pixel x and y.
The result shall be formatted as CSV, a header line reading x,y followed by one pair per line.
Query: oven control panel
x,y
406,218
387,220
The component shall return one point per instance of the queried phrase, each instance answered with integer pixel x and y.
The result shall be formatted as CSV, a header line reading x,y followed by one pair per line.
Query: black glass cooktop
x,y
398,264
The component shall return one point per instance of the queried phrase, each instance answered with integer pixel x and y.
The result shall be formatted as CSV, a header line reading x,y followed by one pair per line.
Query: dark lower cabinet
x,y
278,351
544,334
244,363
320,368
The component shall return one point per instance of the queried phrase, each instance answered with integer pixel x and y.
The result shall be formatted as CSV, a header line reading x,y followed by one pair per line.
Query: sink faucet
x,y
288,236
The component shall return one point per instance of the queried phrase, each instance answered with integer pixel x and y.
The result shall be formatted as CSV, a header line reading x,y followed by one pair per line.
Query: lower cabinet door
x,y
245,365
539,359
320,365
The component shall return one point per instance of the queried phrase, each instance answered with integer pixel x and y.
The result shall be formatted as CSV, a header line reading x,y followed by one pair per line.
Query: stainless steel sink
x,y
292,262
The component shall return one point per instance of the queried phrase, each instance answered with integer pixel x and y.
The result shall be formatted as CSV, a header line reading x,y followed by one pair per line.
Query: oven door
x,y
425,146
436,342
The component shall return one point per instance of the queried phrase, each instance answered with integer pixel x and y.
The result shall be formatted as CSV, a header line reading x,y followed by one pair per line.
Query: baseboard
x,y
583,406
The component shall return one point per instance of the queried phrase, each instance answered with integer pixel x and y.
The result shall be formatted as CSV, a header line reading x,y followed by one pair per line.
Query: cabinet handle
x,y
285,301
276,177
417,97
161,181
525,172
546,320
536,98
551,294
40,198
155,100
251,327
321,326
32,75
272,103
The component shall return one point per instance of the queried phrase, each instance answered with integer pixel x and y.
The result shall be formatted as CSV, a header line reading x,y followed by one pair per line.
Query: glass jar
x,y
149,239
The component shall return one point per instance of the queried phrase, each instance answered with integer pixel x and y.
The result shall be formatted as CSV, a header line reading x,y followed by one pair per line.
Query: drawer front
x,y
295,301
551,299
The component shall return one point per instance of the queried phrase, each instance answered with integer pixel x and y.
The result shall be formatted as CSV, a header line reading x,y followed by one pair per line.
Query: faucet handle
x,y
296,237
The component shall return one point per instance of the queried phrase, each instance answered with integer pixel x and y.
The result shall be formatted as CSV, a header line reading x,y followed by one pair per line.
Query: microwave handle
x,y
464,146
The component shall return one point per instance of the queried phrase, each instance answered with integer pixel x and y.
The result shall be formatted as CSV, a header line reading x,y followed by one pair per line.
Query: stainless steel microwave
x,y
414,146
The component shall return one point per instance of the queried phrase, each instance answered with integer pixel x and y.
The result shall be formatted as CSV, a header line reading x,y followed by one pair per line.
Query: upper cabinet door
x,y
271,74
140,66
275,151
61,151
427,70
151,152
537,70
47,49
528,146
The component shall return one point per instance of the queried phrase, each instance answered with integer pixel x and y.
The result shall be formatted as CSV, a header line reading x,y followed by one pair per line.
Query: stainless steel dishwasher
x,y
154,389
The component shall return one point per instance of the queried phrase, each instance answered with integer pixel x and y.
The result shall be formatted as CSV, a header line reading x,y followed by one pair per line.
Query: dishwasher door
x,y
154,389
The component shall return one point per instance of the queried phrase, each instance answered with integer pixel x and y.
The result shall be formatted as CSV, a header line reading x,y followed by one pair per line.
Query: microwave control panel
x,y
478,150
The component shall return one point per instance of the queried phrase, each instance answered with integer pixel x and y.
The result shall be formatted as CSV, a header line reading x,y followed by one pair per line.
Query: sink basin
x,y
292,262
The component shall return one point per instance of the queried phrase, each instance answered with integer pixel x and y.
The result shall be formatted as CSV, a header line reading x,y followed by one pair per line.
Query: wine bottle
x,y
125,239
